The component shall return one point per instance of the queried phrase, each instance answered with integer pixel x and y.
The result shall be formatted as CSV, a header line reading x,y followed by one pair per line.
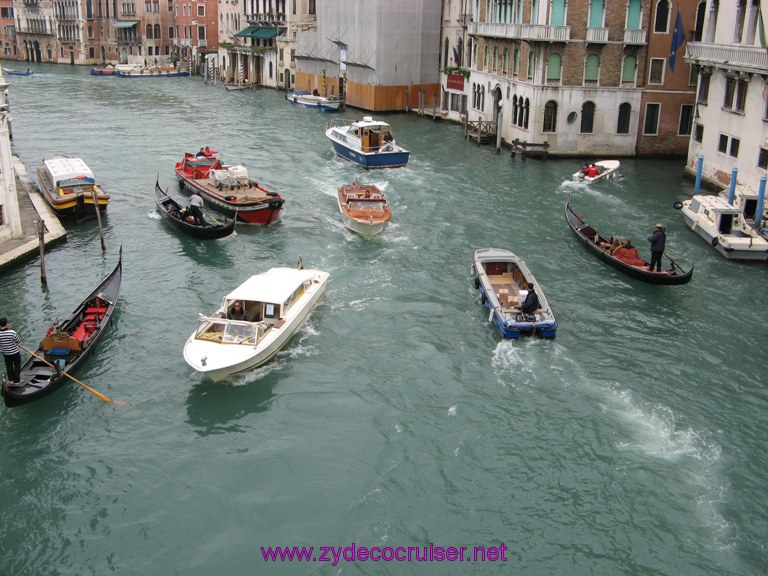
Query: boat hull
x,y
496,270
610,170
208,231
706,216
247,201
586,235
371,160
363,209
218,361
38,378
143,74
313,102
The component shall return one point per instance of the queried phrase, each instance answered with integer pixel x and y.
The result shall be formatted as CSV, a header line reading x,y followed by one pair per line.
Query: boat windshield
x,y
228,331
371,206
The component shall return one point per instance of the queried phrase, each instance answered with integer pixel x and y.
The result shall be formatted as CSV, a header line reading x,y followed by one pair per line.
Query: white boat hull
x,y
610,169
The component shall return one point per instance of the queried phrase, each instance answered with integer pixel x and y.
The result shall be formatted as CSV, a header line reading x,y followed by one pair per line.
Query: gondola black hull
x,y
75,338
207,231
586,235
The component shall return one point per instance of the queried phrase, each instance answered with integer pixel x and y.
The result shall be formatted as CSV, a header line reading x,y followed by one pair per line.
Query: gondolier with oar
x,y
9,346
658,242
196,208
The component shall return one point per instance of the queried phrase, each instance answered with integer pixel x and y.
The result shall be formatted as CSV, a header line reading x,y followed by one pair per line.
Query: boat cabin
x,y
265,305
64,172
373,134
717,211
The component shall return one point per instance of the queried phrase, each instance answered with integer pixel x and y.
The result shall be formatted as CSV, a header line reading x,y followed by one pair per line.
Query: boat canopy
x,y
64,168
275,286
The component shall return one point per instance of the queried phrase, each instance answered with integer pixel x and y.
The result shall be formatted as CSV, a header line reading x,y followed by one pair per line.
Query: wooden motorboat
x,y
724,227
596,171
228,189
69,186
176,215
367,142
67,345
151,72
313,101
621,255
273,306
503,280
108,70
363,209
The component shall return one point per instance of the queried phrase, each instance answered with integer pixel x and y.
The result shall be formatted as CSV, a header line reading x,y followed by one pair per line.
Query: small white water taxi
x,y
254,321
596,171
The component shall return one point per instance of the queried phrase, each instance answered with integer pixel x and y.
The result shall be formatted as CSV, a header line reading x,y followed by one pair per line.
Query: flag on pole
x,y
678,38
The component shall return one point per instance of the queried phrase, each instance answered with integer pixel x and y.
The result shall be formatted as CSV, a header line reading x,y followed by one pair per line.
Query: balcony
x,y
733,57
597,35
529,32
634,36
202,43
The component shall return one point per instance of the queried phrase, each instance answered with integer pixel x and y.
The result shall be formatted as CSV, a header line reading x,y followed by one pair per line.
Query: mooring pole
x,y
41,236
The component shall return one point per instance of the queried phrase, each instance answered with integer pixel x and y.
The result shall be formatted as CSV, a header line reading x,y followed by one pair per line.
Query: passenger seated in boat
x,y
531,302
173,210
236,311
388,137
200,154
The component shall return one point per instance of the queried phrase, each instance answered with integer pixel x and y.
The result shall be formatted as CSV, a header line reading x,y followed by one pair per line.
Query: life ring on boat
x,y
274,204
677,205
715,241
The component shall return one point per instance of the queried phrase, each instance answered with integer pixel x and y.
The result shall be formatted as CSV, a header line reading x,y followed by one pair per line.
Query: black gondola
x,y
66,345
601,247
173,214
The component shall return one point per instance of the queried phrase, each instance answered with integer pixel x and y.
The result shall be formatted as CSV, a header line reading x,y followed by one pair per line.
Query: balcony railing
x,y
597,35
745,58
521,31
634,36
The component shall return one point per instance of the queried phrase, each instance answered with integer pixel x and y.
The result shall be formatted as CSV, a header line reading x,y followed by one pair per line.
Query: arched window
x,y
634,13
629,70
557,14
534,11
445,53
587,117
149,31
495,59
526,109
531,65
625,111
698,31
592,70
550,117
270,69
485,57
661,23
505,66
469,53
714,8
482,98
515,111
474,53
516,63
460,52
158,34
741,10
596,9
553,68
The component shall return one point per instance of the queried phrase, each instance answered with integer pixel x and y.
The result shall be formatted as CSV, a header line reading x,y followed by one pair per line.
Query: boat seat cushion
x,y
58,351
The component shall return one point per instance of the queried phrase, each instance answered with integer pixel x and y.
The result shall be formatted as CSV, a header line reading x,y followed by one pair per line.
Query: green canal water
x,y
634,443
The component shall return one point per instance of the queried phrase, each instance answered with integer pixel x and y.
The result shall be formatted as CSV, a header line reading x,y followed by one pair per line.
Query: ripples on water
x,y
631,444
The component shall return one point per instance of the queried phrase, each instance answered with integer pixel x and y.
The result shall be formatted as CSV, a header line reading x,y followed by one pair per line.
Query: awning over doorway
x,y
267,32
246,33
126,23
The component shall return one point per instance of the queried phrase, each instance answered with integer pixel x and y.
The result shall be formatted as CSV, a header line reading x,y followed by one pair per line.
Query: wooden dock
x,y
533,149
482,131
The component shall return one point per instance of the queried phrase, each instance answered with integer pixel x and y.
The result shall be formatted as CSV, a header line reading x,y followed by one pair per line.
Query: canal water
x,y
633,443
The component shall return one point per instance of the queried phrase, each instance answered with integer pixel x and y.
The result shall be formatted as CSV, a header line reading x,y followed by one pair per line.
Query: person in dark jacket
x,y
531,302
658,242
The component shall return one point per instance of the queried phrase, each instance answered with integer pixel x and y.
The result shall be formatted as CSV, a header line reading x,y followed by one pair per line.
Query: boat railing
x,y
336,123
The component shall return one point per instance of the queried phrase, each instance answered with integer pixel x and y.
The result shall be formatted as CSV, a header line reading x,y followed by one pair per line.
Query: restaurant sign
x,y
455,82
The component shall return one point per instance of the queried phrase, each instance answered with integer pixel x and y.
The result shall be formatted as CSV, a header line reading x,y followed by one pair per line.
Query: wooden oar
x,y
673,262
233,235
99,395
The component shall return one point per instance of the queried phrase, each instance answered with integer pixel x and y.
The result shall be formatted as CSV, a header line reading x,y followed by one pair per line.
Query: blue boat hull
x,y
372,159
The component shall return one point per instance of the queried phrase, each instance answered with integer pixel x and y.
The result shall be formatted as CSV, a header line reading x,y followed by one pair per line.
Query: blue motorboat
x,y
504,281
367,142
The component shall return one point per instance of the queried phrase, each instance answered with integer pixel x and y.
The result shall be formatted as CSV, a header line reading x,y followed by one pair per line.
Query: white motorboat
x,y
368,142
603,170
274,305
313,101
724,227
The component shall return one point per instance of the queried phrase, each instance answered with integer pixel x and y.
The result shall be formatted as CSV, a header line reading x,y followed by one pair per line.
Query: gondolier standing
x,y
9,346
196,208
658,241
